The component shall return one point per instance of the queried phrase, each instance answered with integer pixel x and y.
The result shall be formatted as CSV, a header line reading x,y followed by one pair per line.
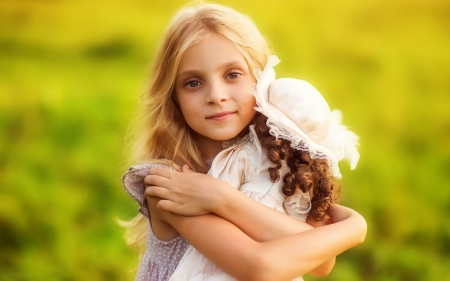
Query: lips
x,y
220,115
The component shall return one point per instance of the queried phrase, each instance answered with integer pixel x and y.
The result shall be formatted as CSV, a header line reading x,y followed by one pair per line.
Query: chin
x,y
228,136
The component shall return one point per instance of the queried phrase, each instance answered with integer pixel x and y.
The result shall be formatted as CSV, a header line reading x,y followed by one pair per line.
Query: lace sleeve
x,y
133,182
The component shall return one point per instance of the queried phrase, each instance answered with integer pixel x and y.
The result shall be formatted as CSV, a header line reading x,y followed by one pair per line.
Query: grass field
x,y
71,73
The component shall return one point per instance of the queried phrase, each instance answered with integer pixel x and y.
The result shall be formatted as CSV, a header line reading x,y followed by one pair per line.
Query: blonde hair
x,y
163,135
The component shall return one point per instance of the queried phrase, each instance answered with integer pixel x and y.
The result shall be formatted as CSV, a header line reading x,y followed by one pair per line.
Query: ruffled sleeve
x,y
133,182
229,166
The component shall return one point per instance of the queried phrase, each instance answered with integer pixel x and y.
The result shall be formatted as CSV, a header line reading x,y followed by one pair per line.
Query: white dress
x,y
243,165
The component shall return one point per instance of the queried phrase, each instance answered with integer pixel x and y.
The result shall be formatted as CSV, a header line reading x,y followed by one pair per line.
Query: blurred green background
x,y
70,76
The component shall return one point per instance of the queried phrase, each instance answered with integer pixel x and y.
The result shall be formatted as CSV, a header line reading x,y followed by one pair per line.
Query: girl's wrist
x,y
223,196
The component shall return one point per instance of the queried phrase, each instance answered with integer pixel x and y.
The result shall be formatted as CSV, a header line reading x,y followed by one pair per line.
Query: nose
x,y
217,93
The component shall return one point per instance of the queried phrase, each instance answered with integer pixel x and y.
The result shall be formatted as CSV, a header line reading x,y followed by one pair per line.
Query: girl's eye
x,y
192,84
234,75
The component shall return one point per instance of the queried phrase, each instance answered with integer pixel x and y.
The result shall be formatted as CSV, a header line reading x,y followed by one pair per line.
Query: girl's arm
x,y
191,194
280,259
260,222
194,194
256,220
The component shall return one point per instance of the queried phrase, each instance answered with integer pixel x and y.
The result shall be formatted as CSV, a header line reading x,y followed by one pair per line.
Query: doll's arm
x,y
280,259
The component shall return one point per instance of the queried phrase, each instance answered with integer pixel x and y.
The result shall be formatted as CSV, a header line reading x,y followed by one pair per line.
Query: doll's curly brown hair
x,y
309,175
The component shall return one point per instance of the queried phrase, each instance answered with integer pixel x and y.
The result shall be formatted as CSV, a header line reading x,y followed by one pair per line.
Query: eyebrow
x,y
225,65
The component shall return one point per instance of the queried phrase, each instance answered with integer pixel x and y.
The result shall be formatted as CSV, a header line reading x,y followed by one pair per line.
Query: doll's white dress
x,y
243,165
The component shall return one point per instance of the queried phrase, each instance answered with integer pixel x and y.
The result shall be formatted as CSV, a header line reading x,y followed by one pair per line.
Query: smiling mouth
x,y
220,115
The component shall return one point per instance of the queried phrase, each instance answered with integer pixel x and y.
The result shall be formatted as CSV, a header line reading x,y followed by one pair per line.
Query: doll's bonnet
x,y
297,112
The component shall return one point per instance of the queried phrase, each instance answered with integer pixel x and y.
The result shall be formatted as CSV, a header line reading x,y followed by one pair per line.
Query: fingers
x,y
166,205
186,169
157,191
158,176
179,208
156,180
160,171
339,213
329,220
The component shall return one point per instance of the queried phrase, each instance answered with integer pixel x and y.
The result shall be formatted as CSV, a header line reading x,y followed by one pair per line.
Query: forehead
x,y
210,52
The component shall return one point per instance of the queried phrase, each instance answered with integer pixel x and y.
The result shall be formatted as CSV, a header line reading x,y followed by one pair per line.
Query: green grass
x,y
70,76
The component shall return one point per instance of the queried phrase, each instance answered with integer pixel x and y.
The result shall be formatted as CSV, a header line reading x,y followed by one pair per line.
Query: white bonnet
x,y
297,112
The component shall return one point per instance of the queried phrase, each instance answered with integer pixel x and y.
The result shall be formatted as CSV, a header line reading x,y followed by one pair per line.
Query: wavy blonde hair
x,y
162,135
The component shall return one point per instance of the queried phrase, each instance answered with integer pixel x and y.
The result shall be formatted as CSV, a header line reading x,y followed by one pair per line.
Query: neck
x,y
209,147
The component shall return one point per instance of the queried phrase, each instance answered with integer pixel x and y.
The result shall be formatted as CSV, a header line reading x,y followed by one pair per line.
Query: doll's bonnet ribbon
x,y
297,112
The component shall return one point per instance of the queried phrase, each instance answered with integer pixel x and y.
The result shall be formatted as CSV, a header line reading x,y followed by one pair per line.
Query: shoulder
x,y
133,183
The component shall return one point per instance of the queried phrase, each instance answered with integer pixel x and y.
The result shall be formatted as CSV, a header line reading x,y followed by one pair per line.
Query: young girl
x,y
199,96
287,130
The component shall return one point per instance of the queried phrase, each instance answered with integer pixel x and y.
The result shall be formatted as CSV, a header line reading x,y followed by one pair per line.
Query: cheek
x,y
184,108
190,111
184,103
248,96
249,107
249,101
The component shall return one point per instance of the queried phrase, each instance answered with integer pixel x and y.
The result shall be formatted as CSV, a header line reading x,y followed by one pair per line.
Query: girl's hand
x,y
339,213
185,193
325,221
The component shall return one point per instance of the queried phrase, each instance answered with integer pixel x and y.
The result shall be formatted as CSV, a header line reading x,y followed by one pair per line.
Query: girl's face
x,y
214,90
